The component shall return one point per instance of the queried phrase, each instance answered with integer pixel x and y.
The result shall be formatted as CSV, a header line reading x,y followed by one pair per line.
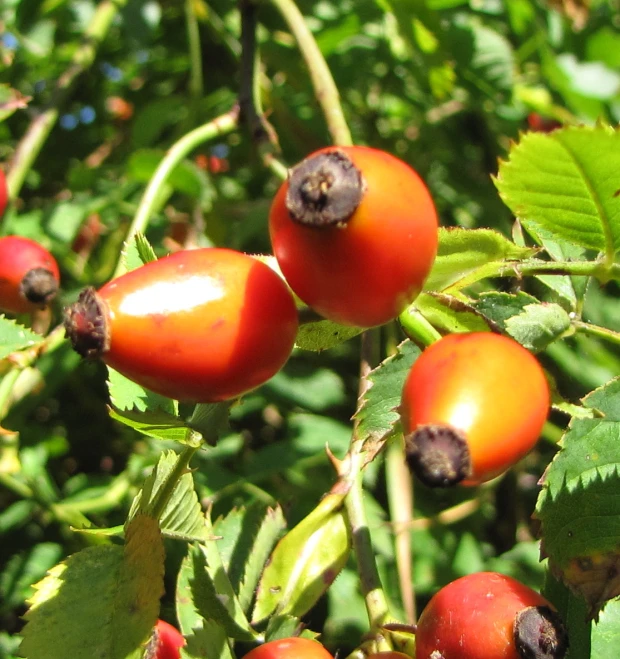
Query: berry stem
x,y
417,328
325,88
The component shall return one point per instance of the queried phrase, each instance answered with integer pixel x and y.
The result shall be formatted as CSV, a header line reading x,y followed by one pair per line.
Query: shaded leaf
x,y
182,517
247,538
212,594
207,640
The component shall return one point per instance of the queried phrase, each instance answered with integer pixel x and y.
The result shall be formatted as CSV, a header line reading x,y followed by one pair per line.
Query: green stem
x,y
597,269
16,486
261,131
196,86
417,328
596,330
400,501
32,142
165,492
370,581
219,126
325,88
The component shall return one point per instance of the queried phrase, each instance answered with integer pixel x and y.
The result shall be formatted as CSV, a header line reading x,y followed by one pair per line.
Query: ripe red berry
x,y
472,406
166,642
290,648
489,616
29,275
201,325
354,231
4,193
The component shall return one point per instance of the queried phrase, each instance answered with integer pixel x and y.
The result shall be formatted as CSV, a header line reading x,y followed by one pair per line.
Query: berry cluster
x,y
209,325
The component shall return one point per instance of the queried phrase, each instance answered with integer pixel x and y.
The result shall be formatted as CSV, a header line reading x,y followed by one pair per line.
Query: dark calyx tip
x,y
438,455
539,633
85,324
324,190
39,286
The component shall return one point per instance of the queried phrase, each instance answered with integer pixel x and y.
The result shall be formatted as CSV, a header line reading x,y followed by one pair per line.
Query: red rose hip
x,y
290,648
201,325
29,275
166,642
489,616
473,405
354,230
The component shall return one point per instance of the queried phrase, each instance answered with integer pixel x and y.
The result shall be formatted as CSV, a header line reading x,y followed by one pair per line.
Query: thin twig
x,y
262,133
325,88
177,152
372,589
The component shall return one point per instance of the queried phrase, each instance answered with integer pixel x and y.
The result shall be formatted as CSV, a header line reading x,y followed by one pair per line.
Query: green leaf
x,y
538,325
305,562
182,517
499,308
212,593
378,414
15,337
247,538
210,420
101,602
561,182
304,385
283,627
158,424
448,313
144,248
323,334
127,395
137,251
606,632
207,640
579,508
462,252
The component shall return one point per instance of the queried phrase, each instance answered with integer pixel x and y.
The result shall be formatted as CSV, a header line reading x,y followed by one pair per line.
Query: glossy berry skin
x,y
488,388
290,648
4,193
29,275
474,618
366,270
166,643
201,325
